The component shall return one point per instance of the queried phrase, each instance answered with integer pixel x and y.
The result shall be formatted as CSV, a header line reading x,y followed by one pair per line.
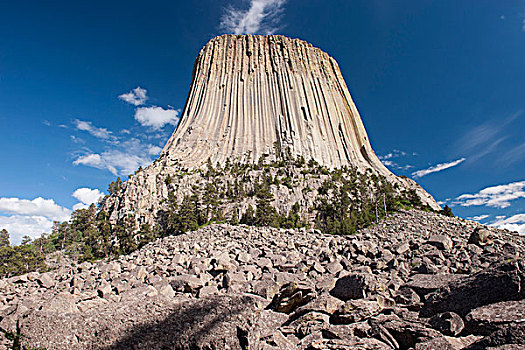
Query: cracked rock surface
x,y
413,281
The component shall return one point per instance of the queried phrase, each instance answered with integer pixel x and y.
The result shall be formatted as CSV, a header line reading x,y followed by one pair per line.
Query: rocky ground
x,y
414,281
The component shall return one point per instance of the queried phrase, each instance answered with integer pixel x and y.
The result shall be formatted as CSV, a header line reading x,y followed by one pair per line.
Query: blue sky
x,y
91,90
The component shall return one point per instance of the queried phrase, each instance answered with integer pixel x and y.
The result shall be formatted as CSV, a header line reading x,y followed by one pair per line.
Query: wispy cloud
x,y
514,223
156,117
495,196
513,155
261,17
122,159
487,138
479,217
101,133
137,96
437,168
387,159
394,154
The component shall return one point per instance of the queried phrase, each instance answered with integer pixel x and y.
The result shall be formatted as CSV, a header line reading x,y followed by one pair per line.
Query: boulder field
x,y
415,280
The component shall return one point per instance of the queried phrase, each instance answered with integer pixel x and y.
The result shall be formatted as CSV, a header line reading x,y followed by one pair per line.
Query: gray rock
x,y
355,311
480,236
266,289
500,283
423,284
407,296
448,323
166,290
354,286
291,296
45,280
334,267
488,319
207,291
441,242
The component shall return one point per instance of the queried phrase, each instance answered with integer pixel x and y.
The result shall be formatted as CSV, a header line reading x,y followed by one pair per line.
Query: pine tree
x,y
265,214
26,240
447,211
248,218
115,186
4,238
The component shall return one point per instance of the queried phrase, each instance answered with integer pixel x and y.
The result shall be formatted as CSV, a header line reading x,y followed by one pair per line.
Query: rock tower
x,y
254,97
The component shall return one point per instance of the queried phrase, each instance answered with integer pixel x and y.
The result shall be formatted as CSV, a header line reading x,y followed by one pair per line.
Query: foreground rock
x,y
410,282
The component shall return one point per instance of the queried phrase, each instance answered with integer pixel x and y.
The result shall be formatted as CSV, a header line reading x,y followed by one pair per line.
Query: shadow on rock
x,y
215,323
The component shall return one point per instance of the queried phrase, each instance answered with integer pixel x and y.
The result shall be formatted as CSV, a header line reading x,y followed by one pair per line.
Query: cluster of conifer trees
x,y
346,202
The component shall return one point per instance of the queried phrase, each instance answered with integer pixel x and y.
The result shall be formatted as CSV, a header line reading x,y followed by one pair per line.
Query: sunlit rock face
x,y
253,95
257,97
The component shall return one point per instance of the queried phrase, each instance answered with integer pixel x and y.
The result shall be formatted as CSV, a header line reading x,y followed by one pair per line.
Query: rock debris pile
x,y
414,281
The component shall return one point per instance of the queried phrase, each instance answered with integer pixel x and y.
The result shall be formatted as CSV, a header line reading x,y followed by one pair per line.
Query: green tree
x,y
447,211
266,214
4,238
124,232
115,186
26,240
248,218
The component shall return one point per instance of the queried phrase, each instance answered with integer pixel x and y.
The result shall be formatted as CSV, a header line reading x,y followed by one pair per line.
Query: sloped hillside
x,y
415,280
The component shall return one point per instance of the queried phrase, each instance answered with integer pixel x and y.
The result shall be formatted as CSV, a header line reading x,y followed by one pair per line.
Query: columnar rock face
x,y
258,97
253,95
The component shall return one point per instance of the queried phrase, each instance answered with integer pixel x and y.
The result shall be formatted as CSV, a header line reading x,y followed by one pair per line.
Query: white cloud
x,y
93,160
479,217
118,162
30,217
261,17
494,196
387,159
136,97
488,138
38,206
437,168
100,133
394,154
124,160
156,117
19,226
88,196
154,150
513,223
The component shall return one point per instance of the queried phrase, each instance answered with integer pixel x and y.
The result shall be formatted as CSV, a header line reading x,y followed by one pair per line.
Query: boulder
x,y
480,236
496,284
46,280
448,323
355,311
291,296
423,284
489,318
442,242
354,286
